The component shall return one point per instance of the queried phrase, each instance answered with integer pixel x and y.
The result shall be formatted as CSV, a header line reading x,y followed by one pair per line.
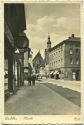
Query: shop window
x,y
74,75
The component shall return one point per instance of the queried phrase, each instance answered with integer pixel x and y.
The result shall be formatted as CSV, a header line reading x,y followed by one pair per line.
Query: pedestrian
x,y
33,79
29,79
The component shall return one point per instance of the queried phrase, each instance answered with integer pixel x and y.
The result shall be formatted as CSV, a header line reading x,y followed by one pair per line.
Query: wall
x,y
56,57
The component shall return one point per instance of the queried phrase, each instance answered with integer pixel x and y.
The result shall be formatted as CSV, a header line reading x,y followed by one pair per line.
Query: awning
x,y
51,72
56,72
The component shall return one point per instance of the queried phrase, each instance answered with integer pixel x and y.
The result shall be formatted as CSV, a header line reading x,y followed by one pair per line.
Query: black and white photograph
x,y
42,59
44,124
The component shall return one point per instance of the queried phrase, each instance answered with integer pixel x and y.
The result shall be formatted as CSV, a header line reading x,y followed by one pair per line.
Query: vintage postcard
x,y
43,124
41,67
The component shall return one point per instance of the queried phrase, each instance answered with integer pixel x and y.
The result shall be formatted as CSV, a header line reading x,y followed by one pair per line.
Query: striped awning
x,y
51,72
55,72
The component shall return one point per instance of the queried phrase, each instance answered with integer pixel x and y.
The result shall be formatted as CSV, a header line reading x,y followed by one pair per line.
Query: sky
x,y
58,19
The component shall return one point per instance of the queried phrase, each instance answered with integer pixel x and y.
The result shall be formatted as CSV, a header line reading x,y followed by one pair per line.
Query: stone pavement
x,y
74,85
39,100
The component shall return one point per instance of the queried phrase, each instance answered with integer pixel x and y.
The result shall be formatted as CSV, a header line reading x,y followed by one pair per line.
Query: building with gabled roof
x,y
38,62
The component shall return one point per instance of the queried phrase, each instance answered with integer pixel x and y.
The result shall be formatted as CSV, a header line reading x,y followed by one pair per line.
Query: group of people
x,y
31,79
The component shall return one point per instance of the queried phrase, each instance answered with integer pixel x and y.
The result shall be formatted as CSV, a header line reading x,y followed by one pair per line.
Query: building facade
x,y
38,62
64,59
15,44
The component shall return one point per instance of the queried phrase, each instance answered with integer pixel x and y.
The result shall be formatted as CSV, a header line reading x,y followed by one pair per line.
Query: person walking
x,y
33,79
29,79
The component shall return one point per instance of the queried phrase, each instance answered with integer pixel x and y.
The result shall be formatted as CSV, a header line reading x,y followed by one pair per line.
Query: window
x,y
71,51
77,61
61,47
76,50
71,61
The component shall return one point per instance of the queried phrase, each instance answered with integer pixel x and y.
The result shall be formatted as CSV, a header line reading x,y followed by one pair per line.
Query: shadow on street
x,y
69,94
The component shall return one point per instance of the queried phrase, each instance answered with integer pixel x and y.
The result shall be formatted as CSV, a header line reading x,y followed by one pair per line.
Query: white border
x,y
38,118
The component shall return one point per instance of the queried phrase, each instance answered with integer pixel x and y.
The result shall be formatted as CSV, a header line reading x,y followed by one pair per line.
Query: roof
x,y
37,55
38,58
70,39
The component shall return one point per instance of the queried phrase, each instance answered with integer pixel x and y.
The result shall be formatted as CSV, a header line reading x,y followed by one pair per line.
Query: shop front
x,y
14,38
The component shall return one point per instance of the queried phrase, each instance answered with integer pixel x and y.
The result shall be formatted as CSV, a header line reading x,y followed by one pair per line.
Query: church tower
x,y
48,43
47,50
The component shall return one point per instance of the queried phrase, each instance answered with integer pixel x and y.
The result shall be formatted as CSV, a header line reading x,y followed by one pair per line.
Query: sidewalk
x,y
39,100
73,85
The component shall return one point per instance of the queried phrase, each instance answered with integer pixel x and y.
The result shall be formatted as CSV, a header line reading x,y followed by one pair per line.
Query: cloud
x,y
45,20
55,38
52,24
59,28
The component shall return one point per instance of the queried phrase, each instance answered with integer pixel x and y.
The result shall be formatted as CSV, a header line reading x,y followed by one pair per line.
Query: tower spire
x,y
48,42
48,36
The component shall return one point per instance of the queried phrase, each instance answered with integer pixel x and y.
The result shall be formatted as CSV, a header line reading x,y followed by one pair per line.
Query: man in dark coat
x,y
33,79
29,79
